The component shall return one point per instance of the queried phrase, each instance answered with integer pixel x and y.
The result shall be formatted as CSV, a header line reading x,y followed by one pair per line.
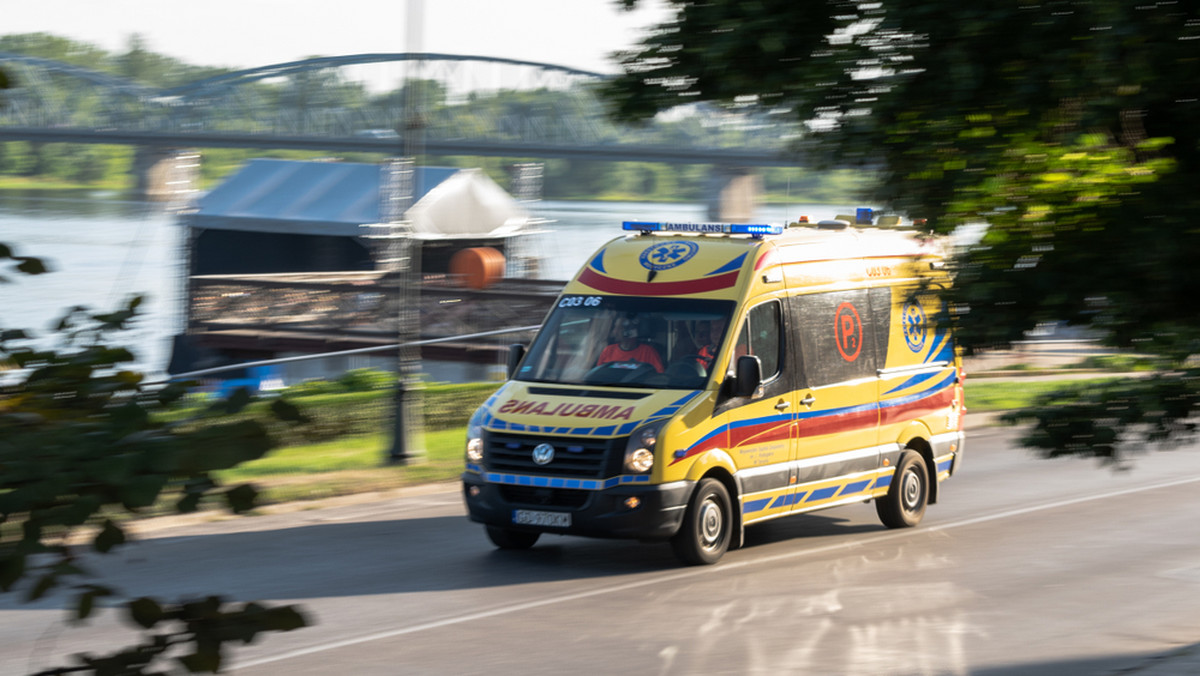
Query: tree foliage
x,y
138,62
81,448
1071,128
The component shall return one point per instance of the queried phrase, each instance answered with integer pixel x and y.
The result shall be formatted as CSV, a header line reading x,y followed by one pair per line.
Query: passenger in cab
x,y
629,348
708,352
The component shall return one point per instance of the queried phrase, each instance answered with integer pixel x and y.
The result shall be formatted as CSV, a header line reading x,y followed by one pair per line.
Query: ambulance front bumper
x,y
654,513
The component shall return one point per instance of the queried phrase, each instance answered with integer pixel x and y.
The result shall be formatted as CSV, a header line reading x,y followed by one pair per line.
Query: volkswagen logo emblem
x,y
543,454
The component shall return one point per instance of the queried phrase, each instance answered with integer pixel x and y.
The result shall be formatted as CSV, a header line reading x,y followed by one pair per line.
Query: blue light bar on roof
x,y
755,229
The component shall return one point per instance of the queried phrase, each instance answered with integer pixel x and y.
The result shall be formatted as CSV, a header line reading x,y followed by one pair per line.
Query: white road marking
x,y
696,572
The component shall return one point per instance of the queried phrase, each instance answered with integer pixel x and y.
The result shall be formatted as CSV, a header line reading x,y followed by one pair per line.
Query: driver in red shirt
x,y
629,348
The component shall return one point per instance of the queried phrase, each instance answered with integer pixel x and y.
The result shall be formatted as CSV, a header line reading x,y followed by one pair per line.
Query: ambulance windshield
x,y
628,342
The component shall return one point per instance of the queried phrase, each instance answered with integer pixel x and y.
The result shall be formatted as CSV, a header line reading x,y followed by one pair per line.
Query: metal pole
x,y
405,262
408,439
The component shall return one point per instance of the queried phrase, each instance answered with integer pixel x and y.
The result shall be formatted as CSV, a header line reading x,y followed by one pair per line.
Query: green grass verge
x,y
986,396
346,466
46,183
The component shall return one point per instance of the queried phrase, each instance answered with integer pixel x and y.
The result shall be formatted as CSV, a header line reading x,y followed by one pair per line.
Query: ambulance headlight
x,y
639,450
474,449
640,461
475,437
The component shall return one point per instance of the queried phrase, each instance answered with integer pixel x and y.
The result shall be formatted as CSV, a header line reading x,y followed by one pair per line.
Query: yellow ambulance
x,y
694,379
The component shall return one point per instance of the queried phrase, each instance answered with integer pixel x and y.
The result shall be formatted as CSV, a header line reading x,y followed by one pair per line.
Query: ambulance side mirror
x,y
747,376
516,352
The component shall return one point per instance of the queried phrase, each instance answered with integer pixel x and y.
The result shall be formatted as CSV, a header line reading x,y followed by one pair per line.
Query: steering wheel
x,y
691,359
617,372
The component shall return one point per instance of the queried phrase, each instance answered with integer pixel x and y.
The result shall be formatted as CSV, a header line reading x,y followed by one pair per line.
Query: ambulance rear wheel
x,y
511,539
904,504
707,526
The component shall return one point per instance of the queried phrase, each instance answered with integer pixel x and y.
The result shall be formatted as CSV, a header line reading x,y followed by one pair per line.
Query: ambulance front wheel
x,y
904,504
511,539
707,526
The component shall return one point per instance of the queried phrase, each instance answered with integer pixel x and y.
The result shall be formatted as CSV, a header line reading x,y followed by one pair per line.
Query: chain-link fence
x,y
350,392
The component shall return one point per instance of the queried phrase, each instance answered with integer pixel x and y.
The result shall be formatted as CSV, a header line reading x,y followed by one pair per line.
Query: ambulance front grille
x,y
582,458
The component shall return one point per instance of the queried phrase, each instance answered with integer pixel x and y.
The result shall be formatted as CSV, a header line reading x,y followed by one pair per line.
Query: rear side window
x,y
837,332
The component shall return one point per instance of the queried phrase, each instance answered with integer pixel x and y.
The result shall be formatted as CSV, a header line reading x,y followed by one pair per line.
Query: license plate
x,y
529,517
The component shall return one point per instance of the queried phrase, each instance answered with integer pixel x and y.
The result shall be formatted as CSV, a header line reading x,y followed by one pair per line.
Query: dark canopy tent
x,y
292,216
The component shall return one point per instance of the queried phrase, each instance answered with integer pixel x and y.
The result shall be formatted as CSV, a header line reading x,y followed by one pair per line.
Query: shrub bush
x,y
338,413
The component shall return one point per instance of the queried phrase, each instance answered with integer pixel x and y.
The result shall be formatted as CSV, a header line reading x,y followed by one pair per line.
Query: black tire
x,y
904,504
512,539
707,526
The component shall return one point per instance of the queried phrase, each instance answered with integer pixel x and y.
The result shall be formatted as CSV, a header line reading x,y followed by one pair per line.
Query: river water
x,y
103,250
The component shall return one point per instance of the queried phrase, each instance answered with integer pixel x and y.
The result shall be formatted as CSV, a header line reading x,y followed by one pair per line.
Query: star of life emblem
x,y
667,255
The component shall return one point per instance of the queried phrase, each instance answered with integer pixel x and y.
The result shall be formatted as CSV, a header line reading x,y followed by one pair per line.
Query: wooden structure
x,y
280,263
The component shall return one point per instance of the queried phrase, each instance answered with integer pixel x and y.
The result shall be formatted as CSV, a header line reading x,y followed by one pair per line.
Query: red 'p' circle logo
x,y
847,331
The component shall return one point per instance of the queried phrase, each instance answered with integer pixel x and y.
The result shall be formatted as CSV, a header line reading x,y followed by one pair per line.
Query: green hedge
x,y
346,414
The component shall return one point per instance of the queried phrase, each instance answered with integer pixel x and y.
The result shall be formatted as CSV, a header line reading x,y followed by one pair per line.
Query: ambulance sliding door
x,y
838,401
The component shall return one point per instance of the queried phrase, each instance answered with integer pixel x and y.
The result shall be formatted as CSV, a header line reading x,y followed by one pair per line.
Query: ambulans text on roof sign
x,y
705,228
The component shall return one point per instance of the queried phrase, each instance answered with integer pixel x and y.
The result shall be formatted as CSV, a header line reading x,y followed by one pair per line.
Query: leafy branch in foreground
x,y
1105,420
206,623
81,449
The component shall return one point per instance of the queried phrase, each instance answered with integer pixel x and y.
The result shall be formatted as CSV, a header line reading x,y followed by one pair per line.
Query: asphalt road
x,y
1026,566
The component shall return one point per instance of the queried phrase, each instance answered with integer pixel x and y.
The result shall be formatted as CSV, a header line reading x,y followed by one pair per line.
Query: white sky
x,y
249,33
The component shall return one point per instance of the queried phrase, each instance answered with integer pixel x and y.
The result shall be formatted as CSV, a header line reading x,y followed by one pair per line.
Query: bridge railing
x,y
295,105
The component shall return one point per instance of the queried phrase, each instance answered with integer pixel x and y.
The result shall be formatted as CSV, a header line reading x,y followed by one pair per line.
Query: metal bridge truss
x,y
479,105
46,93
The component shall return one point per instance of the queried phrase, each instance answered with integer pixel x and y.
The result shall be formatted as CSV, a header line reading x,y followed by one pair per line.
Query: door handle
x,y
782,405
808,400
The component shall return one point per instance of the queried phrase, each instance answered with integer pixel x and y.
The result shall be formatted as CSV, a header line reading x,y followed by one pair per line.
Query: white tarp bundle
x,y
468,204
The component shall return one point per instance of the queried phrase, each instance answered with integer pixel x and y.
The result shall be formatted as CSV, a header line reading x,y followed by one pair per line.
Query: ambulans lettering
x,y
517,406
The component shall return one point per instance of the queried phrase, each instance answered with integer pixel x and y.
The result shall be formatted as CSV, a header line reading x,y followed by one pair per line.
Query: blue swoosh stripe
x,y
939,337
760,421
731,265
837,411
901,401
915,380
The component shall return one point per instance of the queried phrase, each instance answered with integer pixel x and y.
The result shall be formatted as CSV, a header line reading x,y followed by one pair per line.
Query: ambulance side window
x,y
760,336
837,336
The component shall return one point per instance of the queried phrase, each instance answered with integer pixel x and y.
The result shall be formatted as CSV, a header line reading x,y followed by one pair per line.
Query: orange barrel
x,y
478,267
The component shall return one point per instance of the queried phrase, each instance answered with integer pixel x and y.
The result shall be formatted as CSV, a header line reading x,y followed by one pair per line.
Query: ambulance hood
x,y
676,266
579,410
